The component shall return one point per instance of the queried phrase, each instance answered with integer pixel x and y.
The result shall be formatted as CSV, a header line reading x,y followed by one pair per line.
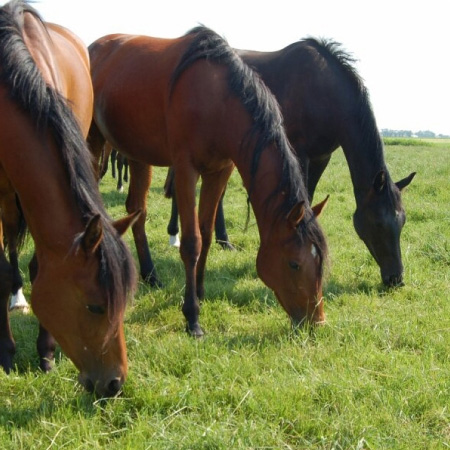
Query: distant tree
x,y
426,134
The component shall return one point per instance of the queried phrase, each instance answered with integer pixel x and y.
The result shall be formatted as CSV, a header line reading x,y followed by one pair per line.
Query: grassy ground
x,y
376,376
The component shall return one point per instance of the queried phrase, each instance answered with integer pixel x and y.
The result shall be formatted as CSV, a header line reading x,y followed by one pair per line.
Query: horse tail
x,y
169,183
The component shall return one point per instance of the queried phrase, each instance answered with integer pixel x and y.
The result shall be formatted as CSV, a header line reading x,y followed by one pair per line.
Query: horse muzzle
x,y
107,387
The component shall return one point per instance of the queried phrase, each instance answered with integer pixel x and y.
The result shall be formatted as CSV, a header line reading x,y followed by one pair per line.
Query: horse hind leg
x,y
14,230
7,344
212,190
140,181
18,300
221,230
120,166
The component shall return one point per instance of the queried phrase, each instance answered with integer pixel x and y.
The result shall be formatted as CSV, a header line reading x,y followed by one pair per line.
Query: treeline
x,y
385,132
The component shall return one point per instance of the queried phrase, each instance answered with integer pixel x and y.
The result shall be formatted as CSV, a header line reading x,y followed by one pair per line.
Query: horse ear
x,y
405,182
379,182
296,214
123,224
317,209
93,235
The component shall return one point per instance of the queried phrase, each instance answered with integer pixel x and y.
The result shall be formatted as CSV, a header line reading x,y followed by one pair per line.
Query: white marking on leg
x,y
174,241
19,302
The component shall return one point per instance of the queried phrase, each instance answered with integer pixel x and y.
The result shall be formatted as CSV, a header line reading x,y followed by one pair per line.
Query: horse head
x,y
88,324
379,220
291,263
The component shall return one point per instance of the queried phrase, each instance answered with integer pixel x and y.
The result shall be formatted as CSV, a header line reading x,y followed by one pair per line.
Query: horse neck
x,y
261,188
41,182
363,150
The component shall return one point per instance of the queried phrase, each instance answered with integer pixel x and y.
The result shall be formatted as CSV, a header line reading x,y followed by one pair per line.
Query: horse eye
x,y
96,309
293,265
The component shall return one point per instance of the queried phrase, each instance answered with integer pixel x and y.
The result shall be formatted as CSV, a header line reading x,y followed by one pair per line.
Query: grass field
x,y
376,376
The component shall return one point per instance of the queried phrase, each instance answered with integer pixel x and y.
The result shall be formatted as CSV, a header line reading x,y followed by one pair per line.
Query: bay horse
x,y
325,105
193,104
85,271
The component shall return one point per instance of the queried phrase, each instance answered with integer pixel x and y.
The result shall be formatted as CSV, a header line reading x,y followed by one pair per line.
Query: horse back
x,y
314,93
131,77
63,60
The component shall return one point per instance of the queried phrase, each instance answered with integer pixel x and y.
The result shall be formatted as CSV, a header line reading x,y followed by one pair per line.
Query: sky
x,y
402,47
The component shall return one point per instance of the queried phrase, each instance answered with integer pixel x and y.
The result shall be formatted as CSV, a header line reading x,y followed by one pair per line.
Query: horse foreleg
x,y
46,346
190,246
315,171
140,180
7,344
211,193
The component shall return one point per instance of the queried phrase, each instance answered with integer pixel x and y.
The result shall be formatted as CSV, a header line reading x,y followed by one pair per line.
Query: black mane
x,y
50,111
267,127
344,63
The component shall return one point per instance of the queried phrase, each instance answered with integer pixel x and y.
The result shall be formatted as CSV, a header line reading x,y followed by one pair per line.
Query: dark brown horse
x,y
193,104
85,272
326,105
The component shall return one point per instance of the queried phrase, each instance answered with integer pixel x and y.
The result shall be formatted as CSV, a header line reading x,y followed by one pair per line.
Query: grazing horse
x,y
193,104
85,272
326,105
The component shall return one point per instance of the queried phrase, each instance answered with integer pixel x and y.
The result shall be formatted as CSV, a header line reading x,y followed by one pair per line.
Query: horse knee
x,y
190,250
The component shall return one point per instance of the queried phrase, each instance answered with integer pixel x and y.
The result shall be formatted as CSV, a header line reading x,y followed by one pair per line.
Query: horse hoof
x,y
155,283
24,309
46,365
194,331
226,245
174,241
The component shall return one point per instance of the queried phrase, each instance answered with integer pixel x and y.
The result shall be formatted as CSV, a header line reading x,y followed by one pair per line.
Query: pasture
x,y
377,375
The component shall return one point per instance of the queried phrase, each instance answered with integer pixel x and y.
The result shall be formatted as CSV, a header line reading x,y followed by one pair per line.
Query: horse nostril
x,y
114,386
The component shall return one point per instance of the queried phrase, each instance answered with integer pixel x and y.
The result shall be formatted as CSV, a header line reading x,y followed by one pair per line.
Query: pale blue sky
x,y
402,47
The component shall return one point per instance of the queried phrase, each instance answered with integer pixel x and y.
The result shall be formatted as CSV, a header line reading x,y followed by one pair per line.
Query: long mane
x,y
343,63
267,126
50,111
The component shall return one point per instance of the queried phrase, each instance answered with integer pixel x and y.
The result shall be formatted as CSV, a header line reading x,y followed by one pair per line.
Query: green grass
x,y
376,376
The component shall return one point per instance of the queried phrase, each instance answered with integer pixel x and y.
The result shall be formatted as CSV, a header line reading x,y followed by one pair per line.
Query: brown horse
x,y
85,271
326,105
192,103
